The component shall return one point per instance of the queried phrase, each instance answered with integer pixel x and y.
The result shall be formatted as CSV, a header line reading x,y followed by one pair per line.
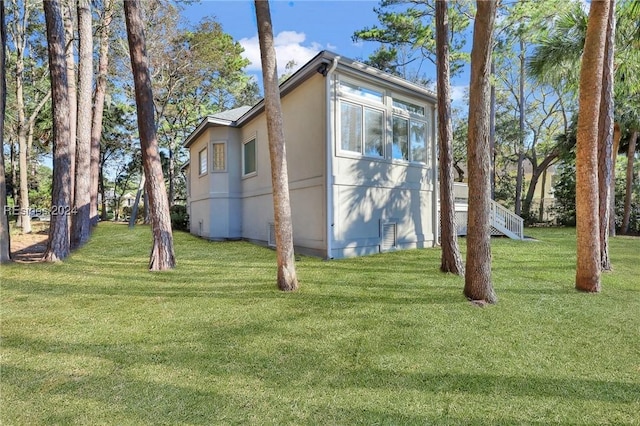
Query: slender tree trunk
x,y
478,286
617,134
23,154
605,141
521,106
536,172
492,132
67,17
98,107
451,260
631,154
543,192
5,246
102,190
587,201
58,246
287,278
162,255
81,224
172,165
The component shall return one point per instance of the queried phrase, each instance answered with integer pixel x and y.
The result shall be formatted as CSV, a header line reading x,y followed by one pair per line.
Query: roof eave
x,y
204,125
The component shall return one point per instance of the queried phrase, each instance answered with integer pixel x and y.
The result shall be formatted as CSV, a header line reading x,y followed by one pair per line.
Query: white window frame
x,y
412,117
253,139
389,111
200,162
224,154
363,143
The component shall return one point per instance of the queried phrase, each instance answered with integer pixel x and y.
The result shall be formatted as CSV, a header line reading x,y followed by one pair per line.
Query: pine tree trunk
x,y
587,197
521,106
631,154
58,246
5,246
24,218
67,16
162,254
478,286
617,134
543,192
451,260
81,220
605,141
287,278
98,108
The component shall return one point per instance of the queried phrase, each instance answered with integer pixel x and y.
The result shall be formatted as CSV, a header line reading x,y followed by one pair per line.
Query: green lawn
x,y
383,339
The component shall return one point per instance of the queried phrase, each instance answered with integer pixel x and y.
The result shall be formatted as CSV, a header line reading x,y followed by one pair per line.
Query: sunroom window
x,y
353,89
362,130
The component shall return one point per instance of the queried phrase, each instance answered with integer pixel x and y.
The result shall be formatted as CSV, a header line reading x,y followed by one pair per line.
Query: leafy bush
x,y
179,218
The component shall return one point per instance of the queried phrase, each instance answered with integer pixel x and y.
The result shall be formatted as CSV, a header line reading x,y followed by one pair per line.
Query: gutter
x,y
329,158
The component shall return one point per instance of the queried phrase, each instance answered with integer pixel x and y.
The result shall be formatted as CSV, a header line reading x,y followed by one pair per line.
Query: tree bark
x,y
23,155
287,278
605,141
5,246
451,260
478,286
537,171
492,132
98,107
58,246
631,154
521,112
81,224
67,17
162,254
588,267
543,192
617,134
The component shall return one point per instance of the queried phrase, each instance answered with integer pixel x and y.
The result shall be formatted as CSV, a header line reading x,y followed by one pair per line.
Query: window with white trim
x,y
377,124
202,161
219,159
409,132
249,157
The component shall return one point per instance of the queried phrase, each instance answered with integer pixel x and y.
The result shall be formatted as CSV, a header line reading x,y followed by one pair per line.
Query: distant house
x,y
361,158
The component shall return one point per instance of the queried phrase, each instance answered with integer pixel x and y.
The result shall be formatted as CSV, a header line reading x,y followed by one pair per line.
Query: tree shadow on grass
x,y
273,377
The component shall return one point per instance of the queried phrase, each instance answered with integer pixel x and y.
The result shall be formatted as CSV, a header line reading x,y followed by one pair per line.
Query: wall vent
x,y
271,234
388,236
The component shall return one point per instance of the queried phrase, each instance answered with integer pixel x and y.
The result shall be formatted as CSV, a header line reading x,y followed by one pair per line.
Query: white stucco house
x,y
361,158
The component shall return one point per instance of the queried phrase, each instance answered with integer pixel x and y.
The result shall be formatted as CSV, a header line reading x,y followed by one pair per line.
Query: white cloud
x,y
459,92
289,45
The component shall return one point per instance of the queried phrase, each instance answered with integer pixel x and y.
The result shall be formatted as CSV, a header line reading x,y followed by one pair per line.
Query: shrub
x,y
179,218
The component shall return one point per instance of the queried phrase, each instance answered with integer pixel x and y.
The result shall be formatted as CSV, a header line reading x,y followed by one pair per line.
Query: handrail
x,y
506,221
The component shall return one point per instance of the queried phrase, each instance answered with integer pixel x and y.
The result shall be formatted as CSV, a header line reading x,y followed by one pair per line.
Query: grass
x,y
383,339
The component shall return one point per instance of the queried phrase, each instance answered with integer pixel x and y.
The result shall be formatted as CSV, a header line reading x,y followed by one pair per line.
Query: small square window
x,y
249,157
202,161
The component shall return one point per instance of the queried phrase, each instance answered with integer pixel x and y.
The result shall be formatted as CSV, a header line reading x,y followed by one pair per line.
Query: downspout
x,y
435,167
329,157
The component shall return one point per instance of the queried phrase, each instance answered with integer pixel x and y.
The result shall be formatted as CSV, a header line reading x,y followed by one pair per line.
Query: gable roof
x,y
318,64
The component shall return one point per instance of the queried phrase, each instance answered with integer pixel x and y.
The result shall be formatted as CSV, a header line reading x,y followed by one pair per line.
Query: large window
x,y
362,130
375,124
202,161
219,157
249,157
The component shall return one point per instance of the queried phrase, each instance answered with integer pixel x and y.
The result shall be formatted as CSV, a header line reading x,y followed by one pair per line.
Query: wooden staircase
x,y
505,222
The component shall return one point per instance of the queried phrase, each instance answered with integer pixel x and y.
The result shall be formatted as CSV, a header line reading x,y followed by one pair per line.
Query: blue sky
x,y
302,28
